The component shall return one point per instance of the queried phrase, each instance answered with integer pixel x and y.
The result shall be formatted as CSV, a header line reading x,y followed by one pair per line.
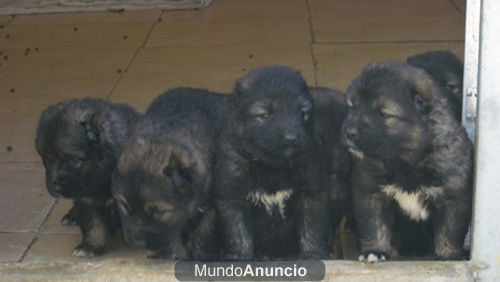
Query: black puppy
x,y
163,182
330,110
413,163
272,186
447,70
79,142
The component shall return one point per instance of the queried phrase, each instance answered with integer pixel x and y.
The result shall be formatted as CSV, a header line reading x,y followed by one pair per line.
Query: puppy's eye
x,y
75,162
451,87
265,116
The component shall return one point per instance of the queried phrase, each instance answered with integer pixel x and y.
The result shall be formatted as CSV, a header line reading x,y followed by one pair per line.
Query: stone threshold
x,y
151,270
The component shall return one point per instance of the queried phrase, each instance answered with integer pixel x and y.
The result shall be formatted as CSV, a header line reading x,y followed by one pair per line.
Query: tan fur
x,y
413,203
269,201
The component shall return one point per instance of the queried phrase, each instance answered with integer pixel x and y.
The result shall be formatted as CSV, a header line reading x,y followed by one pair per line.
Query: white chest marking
x,y
269,201
413,203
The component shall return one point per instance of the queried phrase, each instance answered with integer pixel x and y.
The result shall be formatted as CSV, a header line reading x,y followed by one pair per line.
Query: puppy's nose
x,y
290,138
56,187
352,133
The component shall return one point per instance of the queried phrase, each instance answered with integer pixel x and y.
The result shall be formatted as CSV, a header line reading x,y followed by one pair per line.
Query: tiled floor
x,y
133,56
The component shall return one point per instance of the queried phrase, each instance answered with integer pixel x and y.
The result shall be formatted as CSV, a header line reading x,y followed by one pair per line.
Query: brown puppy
x,y
412,167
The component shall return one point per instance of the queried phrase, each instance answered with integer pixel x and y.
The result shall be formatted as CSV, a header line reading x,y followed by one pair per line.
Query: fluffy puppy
x,y
412,163
447,70
272,188
163,181
79,142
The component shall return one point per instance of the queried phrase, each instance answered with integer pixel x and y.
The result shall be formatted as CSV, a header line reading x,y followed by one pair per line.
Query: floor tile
x,y
17,137
59,247
53,223
215,68
13,245
386,20
227,22
48,76
82,36
339,64
24,201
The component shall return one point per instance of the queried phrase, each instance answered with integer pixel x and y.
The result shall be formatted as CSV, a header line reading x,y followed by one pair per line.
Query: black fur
x,y
272,186
79,142
163,183
447,70
330,110
413,164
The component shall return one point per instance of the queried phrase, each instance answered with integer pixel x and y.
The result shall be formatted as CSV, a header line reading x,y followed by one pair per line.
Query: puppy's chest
x,y
414,204
273,191
273,203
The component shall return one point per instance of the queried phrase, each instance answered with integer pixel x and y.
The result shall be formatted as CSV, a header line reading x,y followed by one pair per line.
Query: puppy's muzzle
x,y
351,133
290,138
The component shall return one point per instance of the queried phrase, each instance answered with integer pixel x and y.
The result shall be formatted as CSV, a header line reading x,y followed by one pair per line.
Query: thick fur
x,y
412,164
330,110
79,142
447,70
272,186
163,183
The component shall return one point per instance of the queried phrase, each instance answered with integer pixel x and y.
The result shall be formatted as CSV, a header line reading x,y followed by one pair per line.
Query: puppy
x,y
272,188
79,142
163,182
447,70
412,163
330,110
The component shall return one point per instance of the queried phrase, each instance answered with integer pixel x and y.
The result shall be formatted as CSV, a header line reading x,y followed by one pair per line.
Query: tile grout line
x,y
134,56
12,17
209,45
39,231
313,40
390,42
318,43
456,7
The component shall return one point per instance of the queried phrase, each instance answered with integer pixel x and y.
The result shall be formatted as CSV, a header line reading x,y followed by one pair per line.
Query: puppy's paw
x,y
373,257
68,219
458,256
315,255
202,255
85,250
179,254
235,256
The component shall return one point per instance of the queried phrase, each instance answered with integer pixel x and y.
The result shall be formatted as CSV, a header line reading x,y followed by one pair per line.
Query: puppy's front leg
x,y
313,233
92,220
71,217
373,222
450,227
205,243
238,240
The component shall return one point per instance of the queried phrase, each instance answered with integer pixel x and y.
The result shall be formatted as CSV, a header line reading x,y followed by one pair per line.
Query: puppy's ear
x,y
179,171
92,129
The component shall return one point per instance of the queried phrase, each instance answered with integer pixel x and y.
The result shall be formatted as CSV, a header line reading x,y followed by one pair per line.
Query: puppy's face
x,y
76,162
154,195
387,112
274,112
